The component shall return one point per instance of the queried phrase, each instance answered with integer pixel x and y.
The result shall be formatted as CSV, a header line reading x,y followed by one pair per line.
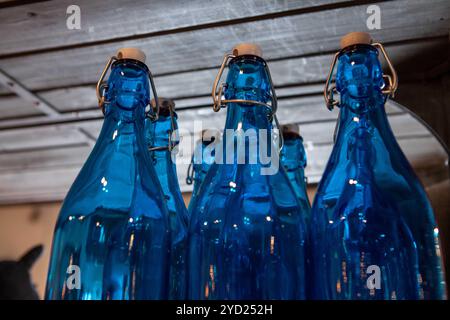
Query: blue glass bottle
x,y
202,159
112,236
247,233
293,159
373,228
162,142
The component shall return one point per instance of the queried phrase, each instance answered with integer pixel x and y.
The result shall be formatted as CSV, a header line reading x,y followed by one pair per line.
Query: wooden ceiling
x,y
41,152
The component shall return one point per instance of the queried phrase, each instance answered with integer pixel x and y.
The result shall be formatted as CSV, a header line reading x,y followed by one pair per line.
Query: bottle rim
x,y
132,62
248,57
356,47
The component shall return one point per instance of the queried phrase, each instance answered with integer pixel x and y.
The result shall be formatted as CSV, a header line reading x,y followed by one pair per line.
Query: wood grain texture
x,y
51,182
43,25
297,35
185,42
297,76
54,154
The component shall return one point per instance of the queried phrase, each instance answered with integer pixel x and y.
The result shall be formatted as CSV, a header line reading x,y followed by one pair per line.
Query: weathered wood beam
x,y
27,95
51,181
292,77
291,36
37,27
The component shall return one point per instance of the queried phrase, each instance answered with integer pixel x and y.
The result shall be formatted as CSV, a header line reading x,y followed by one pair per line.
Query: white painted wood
x,y
297,74
306,111
51,183
279,38
318,139
14,107
62,157
19,89
83,97
40,163
51,136
43,25
36,185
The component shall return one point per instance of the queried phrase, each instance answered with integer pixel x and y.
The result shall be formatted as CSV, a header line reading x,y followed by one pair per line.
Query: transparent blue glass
x,y
202,160
247,233
114,224
293,159
373,229
157,134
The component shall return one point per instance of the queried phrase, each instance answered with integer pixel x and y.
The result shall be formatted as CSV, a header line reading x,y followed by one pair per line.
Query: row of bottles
x,y
249,231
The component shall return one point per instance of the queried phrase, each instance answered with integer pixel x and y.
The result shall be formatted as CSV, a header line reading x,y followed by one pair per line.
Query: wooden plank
x,y
36,185
81,98
51,183
14,107
298,76
297,35
43,25
295,71
16,162
306,111
20,90
50,136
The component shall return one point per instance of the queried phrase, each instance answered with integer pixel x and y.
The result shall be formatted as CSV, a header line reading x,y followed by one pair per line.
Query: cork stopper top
x,y
165,104
353,38
243,49
210,134
131,53
290,128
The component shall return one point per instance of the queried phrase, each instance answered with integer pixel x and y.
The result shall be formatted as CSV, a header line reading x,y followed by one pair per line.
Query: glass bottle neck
x,y
166,169
157,135
128,91
293,154
359,80
248,80
127,96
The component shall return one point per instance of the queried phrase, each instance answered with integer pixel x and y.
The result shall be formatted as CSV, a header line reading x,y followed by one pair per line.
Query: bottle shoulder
x,y
390,172
117,176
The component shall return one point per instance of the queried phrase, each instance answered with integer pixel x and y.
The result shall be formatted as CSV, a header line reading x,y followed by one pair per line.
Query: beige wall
x,y
22,227
26,225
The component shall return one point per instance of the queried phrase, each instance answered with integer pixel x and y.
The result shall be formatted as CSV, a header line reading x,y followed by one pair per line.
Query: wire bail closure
x,y
330,90
190,172
171,143
102,87
219,103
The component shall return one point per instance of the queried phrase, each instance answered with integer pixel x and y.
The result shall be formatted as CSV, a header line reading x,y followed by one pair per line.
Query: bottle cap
x,y
131,53
210,134
290,128
243,49
165,104
353,38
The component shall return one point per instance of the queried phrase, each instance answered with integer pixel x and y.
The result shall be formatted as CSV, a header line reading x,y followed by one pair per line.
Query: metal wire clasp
x,y
171,143
190,172
389,90
218,94
102,87
219,103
